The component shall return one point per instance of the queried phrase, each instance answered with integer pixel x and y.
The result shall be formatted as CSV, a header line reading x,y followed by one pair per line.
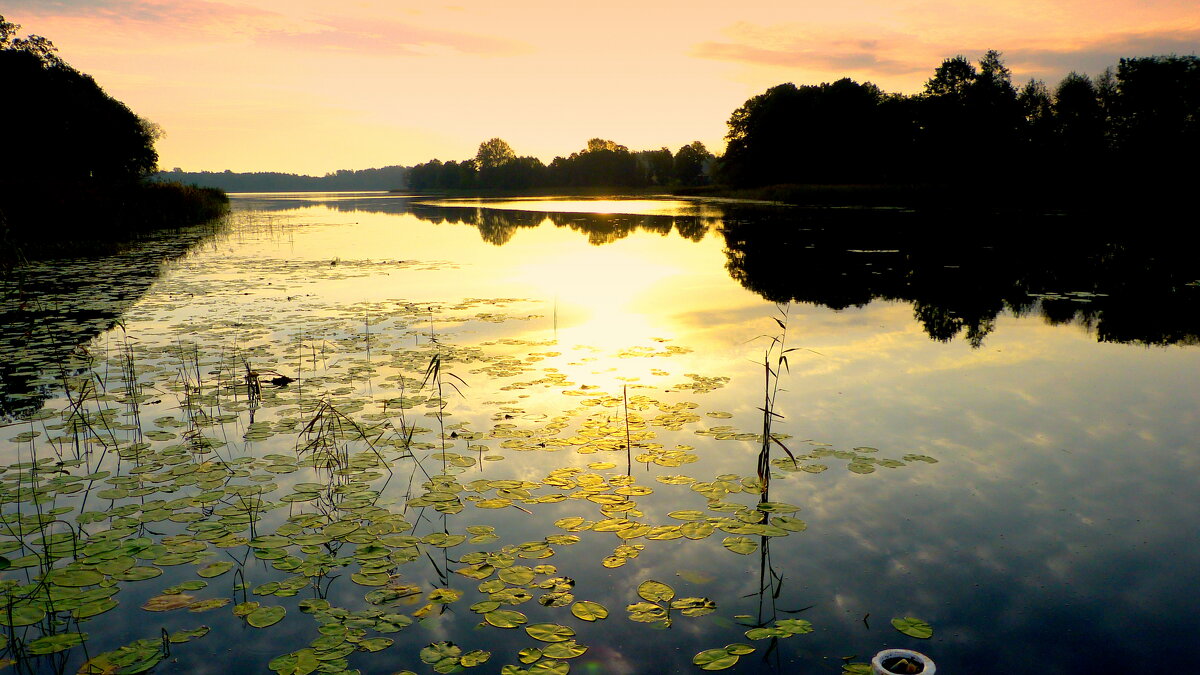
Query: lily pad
x,y
913,627
549,632
741,545
589,611
655,591
715,659
265,616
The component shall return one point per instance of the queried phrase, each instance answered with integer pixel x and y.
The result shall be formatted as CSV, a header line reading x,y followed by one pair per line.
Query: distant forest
x,y
969,126
383,178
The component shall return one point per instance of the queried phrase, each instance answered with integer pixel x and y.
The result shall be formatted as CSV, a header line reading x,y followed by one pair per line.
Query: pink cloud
x,y
393,37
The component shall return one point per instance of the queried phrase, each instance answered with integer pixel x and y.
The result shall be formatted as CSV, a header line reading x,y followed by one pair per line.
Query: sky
x,y
309,86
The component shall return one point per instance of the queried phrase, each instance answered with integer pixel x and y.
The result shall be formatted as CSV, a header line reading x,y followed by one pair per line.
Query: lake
x,y
387,433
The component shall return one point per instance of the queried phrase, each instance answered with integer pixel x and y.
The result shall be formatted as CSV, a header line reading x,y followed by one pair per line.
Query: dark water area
x,y
49,308
497,410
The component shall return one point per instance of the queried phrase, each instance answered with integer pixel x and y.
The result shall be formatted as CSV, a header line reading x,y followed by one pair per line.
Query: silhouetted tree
x,y
690,162
494,153
68,126
656,166
1156,115
1078,126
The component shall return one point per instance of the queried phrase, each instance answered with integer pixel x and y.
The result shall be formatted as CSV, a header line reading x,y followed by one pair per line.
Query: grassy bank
x,y
48,220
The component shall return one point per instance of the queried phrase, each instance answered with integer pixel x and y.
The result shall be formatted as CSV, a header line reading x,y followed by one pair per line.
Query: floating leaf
x,y
694,606
589,611
655,591
549,632
74,578
440,651
50,644
474,658
529,654
186,635
563,650
505,618
375,644
715,659
265,616
214,569
91,609
913,627
742,545
517,575
739,648
163,603
857,669
696,530
795,626
205,605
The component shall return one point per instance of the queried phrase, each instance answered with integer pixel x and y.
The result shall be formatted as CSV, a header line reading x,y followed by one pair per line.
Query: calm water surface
x,y
1021,485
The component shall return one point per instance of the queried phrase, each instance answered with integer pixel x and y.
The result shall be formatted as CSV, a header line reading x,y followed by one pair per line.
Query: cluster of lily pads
x,y
169,454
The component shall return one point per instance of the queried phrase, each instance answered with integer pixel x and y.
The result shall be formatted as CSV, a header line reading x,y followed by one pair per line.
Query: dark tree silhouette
x,y
690,164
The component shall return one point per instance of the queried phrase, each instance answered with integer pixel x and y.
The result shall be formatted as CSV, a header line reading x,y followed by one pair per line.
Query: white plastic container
x,y
927,667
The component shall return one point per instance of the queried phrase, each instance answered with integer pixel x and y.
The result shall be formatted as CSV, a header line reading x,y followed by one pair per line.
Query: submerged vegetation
x,y
83,157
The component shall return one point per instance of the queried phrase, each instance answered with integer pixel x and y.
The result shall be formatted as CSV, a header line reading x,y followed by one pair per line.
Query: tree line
x,y
600,163
382,178
971,124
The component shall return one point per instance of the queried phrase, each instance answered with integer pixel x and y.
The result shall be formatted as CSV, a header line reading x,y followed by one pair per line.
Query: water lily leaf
x,y
715,659
474,658
505,618
375,644
563,650
444,596
795,626
689,515
265,616
696,530
244,608
529,654
205,605
163,603
50,644
742,545
186,635
549,632
694,606
655,591
857,669
739,648
214,569
777,507
24,615
138,574
763,633
74,578
517,575
913,627
589,611
302,662
549,668
91,609
440,651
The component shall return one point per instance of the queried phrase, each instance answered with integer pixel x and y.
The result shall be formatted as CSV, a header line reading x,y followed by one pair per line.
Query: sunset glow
x,y
311,87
